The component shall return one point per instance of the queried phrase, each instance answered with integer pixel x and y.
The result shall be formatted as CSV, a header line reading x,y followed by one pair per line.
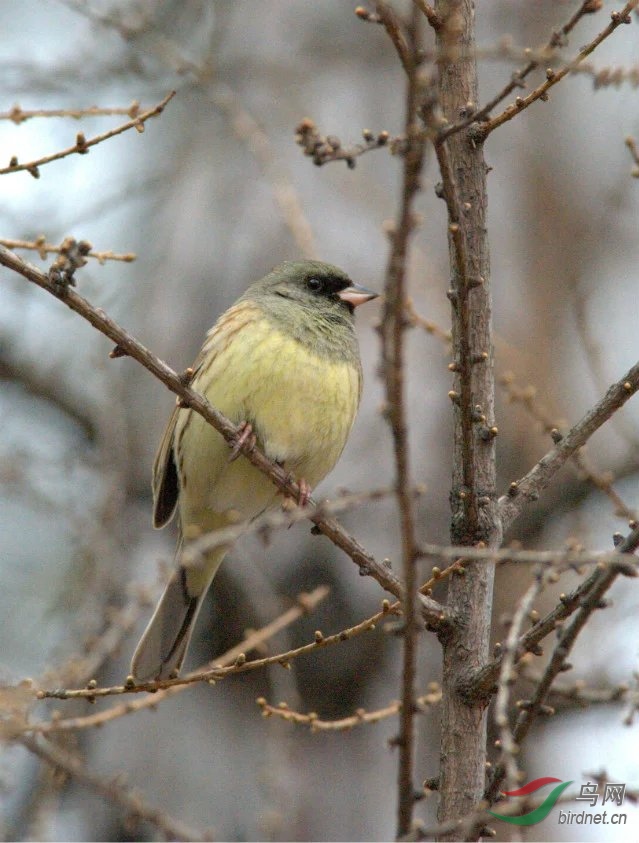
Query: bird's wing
x,y
165,483
165,478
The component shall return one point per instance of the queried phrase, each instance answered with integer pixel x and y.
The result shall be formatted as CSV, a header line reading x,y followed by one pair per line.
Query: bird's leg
x,y
305,492
244,434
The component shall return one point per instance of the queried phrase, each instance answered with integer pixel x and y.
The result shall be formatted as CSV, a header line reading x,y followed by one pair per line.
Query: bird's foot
x,y
305,492
303,496
244,435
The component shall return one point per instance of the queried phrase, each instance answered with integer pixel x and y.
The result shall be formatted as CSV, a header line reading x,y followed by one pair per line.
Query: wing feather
x,y
165,477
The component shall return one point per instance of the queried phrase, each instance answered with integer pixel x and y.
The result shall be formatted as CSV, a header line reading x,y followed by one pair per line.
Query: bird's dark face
x,y
316,284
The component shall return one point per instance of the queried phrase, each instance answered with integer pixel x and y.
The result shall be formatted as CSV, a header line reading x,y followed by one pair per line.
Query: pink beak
x,y
356,295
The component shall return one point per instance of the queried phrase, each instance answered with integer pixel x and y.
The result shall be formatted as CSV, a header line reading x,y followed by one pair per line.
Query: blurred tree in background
x,y
209,197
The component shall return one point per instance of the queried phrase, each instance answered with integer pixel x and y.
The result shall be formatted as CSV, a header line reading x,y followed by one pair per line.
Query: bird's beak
x,y
356,295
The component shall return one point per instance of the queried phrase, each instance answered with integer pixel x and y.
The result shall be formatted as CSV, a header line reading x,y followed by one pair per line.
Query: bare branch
x,y
392,330
526,396
239,665
555,76
82,145
235,659
482,684
537,57
507,676
326,148
111,790
390,21
429,13
19,115
305,604
43,249
525,491
634,151
344,724
560,560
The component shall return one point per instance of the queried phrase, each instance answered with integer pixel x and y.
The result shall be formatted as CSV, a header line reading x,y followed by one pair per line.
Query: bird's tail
x,y
163,646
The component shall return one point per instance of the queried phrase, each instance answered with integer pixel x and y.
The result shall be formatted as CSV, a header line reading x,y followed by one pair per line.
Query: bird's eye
x,y
314,284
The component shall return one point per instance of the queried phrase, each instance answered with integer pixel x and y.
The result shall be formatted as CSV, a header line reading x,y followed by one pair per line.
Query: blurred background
x,y
211,196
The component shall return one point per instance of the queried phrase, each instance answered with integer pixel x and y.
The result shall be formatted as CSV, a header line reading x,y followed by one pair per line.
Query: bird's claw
x,y
305,493
244,435
303,496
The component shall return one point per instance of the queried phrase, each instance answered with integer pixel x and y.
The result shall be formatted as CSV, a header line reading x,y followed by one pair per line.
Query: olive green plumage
x,y
284,359
319,322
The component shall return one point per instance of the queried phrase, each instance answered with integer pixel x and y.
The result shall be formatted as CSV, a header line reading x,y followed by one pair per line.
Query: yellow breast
x,y
302,407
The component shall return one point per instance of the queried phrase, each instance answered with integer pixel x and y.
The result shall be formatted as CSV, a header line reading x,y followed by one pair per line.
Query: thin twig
x,y
326,148
392,332
527,490
390,21
545,54
239,665
578,693
526,396
82,145
631,143
482,683
429,13
43,249
560,560
430,327
344,724
555,76
126,345
235,658
305,604
507,676
19,115
132,803
592,600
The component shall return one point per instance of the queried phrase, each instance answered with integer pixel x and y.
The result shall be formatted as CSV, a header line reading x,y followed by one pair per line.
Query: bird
x,y
283,364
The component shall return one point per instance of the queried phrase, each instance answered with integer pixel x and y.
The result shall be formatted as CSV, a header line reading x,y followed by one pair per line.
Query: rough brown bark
x,y
473,497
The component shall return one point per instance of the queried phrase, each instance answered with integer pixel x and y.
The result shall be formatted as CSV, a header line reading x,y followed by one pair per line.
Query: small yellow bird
x,y
283,363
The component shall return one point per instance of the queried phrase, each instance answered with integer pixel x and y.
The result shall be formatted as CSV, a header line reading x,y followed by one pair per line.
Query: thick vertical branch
x,y
473,498
392,333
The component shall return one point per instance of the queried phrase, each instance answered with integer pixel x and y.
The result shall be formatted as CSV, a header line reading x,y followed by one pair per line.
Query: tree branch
x,y
557,39
111,790
345,724
482,684
19,115
82,145
474,512
591,600
43,249
555,76
392,330
525,491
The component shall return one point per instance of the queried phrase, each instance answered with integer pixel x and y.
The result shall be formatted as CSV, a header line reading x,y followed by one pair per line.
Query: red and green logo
x,y
540,813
